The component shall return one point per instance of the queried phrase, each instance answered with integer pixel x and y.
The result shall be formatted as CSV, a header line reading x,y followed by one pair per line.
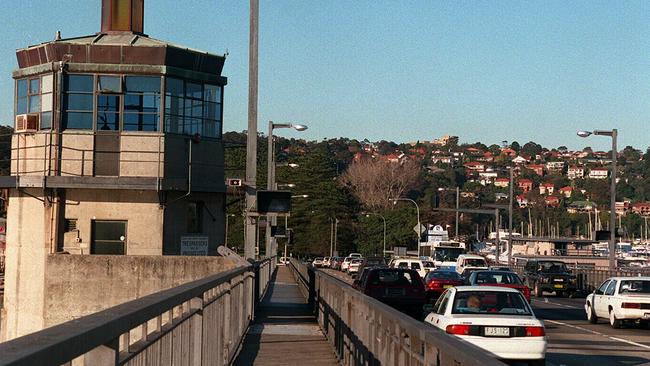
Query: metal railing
x,y
198,323
364,331
588,279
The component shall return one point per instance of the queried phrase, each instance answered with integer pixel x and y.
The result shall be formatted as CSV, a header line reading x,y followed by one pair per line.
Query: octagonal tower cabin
x,y
117,150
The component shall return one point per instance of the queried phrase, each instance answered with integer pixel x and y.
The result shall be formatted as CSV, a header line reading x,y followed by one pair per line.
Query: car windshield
x,y
444,275
447,254
392,278
428,264
635,287
497,278
552,267
475,262
490,303
356,261
318,259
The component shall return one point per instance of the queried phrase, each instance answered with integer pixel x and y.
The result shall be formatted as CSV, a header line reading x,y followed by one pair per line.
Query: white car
x,y
346,263
326,262
318,262
620,299
353,267
470,262
355,255
496,319
422,267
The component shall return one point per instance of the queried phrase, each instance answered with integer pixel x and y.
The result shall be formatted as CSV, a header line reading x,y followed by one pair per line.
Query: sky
x,y
400,70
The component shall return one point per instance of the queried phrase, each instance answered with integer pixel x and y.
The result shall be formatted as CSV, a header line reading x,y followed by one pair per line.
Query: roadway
x,y
573,341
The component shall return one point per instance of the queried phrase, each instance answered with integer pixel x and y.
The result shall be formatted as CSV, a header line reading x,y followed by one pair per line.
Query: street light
x,y
417,208
270,180
612,202
384,219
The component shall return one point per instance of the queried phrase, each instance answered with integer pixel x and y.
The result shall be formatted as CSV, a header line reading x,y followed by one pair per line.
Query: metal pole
x,y
384,252
336,228
251,139
457,213
612,208
331,237
498,237
270,157
225,241
510,199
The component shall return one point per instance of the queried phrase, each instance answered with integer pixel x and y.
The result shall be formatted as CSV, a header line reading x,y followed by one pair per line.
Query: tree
x,y
373,182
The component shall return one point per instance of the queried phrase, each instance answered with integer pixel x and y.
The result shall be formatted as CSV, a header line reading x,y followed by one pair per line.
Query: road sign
x,y
419,228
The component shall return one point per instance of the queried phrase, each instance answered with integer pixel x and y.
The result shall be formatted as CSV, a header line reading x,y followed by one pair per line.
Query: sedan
x,y
496,319
436,282
620,299
400,288
499,279
353,267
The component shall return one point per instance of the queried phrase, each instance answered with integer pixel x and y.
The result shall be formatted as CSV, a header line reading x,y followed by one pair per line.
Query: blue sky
x,y
401,70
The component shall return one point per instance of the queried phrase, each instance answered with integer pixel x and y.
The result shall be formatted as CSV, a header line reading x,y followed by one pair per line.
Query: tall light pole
x,y
417,208
612,200
250,223
270,178
384,219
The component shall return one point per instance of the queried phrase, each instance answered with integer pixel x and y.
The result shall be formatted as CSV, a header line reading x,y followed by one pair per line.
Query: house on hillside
x,y
580,206
500,196
520,160
546,188
508,152
525,185
552,201
555,166
522,201
475,166
641,208
575,171
622,207
487,177
598,173
566,191
487,157
502,182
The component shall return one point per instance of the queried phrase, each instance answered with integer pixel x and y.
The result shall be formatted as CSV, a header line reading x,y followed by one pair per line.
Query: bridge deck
x,y
285,332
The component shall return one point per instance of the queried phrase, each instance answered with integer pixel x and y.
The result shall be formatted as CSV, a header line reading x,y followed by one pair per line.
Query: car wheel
x,y
615,323
559,293
538,291
645,324
591,315
541,362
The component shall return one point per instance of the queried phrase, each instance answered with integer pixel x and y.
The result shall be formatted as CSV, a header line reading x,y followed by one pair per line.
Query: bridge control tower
x,y
117,151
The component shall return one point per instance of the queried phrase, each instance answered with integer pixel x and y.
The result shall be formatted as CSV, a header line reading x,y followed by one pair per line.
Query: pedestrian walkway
x,y
285,331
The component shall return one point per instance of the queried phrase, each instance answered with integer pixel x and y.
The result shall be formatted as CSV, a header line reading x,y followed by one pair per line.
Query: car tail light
x,y
535,332
458,329
631,305
434,284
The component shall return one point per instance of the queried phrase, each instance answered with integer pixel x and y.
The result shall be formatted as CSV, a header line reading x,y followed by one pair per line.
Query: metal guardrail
x,y
364,331
198,323
588,279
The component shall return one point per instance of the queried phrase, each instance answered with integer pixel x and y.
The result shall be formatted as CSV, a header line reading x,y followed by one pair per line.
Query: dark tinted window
x,y
444,275
501,278
387,277
79,83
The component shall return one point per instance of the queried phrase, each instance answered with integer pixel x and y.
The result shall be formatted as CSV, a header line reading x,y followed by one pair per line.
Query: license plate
x,y
559,286
447,286
497,332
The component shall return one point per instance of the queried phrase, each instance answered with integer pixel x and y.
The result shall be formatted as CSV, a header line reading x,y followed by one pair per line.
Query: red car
x,y
436,282
400,288
499,279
